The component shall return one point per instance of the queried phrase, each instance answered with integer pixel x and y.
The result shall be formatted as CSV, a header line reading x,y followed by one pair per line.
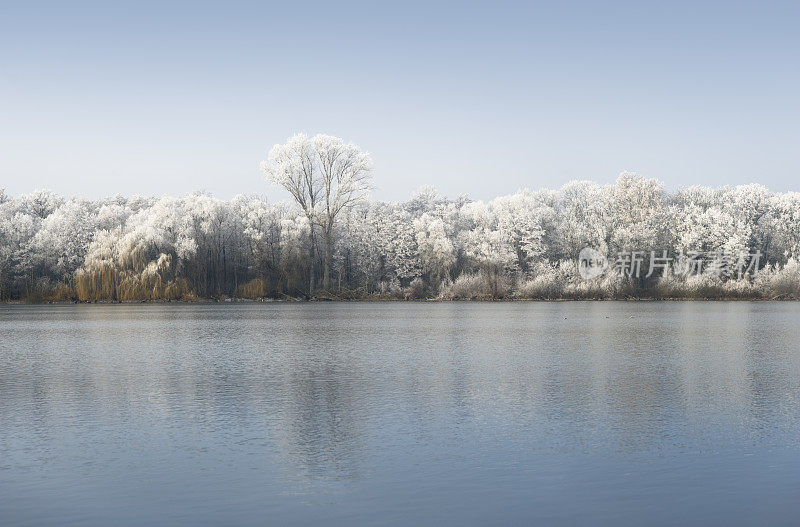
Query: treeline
x,y
520,246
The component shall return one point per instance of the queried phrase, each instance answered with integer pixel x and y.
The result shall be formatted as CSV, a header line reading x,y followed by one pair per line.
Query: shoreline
x,y
390,300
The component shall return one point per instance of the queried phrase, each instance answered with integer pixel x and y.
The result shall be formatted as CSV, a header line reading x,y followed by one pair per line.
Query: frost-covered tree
x,y
584,218
62,240
434,245
325,176
346,181
525,218
293,166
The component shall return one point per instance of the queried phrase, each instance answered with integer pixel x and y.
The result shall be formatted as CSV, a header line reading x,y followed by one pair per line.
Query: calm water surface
x,y
592,413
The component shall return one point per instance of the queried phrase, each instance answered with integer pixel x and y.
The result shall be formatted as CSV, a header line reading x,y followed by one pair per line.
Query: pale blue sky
x,y
166,98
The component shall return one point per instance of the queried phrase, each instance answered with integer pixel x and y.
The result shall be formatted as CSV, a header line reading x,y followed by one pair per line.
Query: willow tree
x,y
325,176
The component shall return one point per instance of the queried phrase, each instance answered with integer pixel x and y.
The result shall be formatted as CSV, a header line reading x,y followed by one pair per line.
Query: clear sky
x,y
483,99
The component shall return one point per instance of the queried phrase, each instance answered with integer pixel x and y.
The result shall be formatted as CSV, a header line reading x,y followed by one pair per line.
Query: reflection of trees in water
x,y
321,427
770,344
322,383
319,422
643,394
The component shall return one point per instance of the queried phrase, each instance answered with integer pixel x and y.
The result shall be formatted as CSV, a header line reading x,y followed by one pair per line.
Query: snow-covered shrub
x,y
546,282
474,286
702,286
467,286
416,290
775,282
546,286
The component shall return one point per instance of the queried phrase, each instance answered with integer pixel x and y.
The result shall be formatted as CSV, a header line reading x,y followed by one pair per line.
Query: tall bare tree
x,y
325,176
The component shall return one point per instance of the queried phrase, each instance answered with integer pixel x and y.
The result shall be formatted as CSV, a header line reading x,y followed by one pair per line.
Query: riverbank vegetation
x,y
631,239
514,247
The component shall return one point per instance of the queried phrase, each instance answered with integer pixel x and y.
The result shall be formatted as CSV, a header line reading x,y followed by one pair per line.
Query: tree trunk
x,y
311,264
326,277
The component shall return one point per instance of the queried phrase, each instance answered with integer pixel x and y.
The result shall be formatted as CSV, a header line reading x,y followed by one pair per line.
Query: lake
x,y
577,413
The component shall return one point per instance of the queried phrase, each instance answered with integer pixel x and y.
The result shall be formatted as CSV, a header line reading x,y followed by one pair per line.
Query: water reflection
x,y
295,408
